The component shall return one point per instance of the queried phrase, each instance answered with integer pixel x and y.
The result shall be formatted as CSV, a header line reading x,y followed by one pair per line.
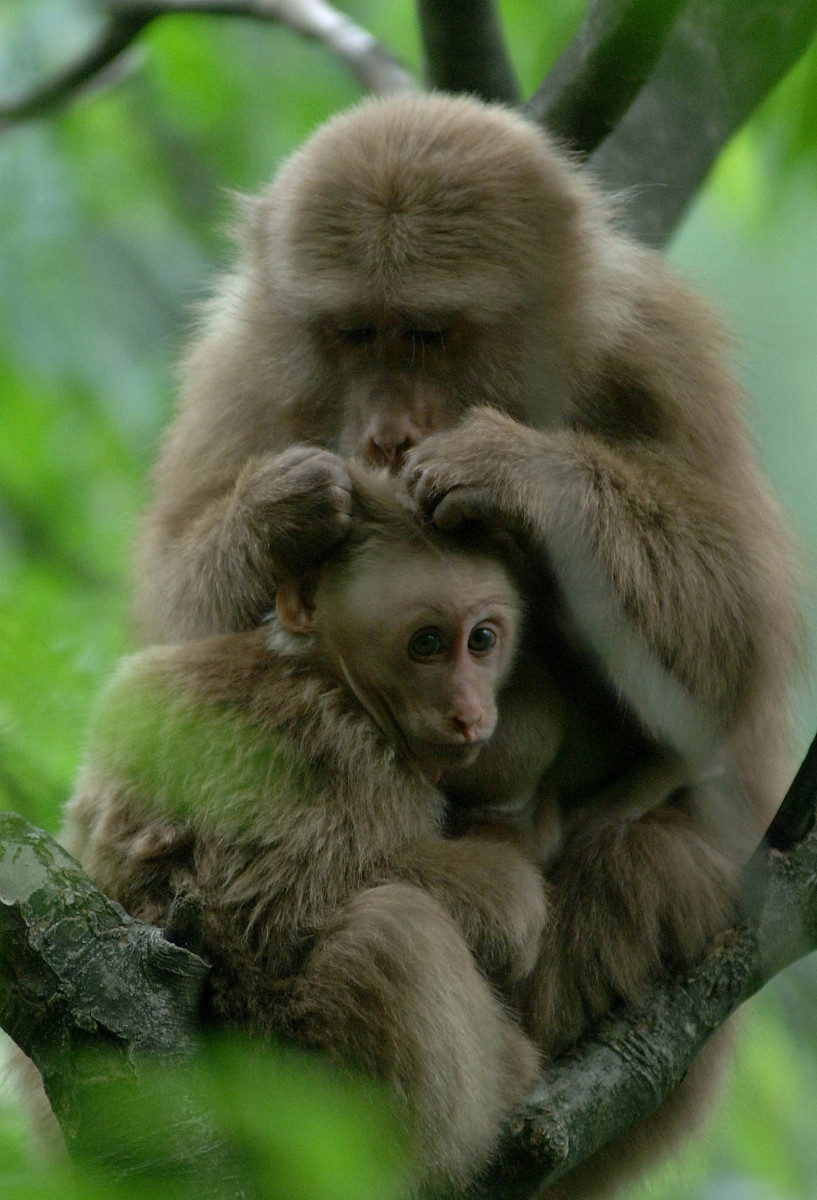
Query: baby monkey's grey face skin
x,y
425,639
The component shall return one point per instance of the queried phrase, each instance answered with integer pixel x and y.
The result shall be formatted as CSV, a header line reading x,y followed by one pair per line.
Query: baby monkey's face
x,y
426,639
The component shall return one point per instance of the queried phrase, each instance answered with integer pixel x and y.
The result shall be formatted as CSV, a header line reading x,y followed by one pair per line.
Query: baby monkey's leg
x,y
392,989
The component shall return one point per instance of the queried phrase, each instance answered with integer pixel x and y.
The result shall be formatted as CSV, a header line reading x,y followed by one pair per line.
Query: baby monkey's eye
x,y
482,639
427,643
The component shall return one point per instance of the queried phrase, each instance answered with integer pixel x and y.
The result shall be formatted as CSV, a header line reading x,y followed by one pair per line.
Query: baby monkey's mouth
x,y
435,758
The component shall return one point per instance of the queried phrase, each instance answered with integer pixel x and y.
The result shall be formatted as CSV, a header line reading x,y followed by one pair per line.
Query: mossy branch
x,y
92,995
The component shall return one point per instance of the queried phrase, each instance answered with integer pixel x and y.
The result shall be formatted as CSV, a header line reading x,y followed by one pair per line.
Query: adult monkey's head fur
x,y
417,257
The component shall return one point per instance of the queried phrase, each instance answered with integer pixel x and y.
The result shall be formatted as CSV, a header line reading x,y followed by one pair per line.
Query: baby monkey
x,y
286,779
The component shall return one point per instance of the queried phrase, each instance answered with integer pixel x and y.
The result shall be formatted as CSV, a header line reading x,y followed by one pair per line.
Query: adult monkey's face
x,y
420,258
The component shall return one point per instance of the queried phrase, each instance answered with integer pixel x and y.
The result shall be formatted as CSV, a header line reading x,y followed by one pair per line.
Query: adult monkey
x,y
419,259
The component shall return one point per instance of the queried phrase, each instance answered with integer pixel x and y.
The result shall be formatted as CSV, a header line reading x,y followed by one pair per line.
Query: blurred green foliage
x,y
111,220
300,1131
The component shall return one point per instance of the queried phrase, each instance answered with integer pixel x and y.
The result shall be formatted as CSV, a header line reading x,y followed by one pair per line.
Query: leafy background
x,y
111,216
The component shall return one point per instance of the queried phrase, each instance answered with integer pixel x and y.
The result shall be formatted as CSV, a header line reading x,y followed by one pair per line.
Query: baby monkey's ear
x,y
295,604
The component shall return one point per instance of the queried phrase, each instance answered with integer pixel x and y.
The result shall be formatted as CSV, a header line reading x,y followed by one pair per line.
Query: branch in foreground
x,y
465,49
374,67
80,979
603,69
77,974
720,60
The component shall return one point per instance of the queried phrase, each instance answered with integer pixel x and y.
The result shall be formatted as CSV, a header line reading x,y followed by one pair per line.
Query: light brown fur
x,y
253,780
422,258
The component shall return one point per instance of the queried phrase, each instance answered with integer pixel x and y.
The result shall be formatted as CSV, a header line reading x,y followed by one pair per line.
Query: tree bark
x,y
721,59
465,49
93,996
584,96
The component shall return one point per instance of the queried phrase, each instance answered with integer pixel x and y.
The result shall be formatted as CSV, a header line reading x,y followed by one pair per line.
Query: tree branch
x,y
79,978
465,49
720,60
796,815
91,68
669,95
374,67
601,72
620,1074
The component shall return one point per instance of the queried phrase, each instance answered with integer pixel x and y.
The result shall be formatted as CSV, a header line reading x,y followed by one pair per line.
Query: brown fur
x,y
422,258
334,911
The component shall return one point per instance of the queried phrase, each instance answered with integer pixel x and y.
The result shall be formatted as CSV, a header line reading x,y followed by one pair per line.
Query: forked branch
x,y
653,89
